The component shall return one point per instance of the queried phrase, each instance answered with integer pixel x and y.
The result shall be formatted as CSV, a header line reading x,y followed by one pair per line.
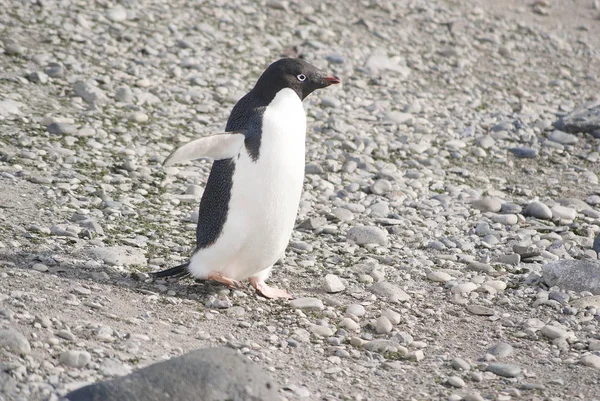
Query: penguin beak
x,y
330,80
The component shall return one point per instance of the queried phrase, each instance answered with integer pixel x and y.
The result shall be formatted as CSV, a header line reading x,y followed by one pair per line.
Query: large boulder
x,y
212,374
574,275
583,119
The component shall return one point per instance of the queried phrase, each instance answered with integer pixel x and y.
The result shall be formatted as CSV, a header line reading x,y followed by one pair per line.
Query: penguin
x,y
250,201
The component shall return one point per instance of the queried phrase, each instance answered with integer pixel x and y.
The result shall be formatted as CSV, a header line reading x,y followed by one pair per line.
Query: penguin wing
x,y
216,147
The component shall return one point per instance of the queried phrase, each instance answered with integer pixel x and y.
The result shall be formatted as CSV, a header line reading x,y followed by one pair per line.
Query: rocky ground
x,y
445,241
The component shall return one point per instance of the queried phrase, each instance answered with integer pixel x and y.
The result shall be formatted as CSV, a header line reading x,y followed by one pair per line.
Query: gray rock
x,y
573,275
383,325
456,381
8,106
363,235
90,93
313,223
538,210
75,358
307,304
112,367
390,291
460,364
582,119
117,14
38,77
62,128
593,361
587,302
480,310
504,369
563,138
333,284
381,187
596,244
217,374
501,350
487,204
563,212
524,153
8,385
14,341
120,255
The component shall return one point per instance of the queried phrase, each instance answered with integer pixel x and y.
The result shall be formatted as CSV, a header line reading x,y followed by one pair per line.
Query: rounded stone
x,y
383,325
538,210
75,358
456,381
362,235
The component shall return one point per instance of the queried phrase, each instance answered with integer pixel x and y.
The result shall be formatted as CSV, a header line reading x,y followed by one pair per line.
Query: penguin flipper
x,y
220,146
180,271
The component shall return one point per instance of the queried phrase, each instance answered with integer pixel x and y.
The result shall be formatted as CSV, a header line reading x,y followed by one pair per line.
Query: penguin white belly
x,y
264,197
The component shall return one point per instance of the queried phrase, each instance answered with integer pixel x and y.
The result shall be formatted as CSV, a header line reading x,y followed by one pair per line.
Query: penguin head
x,y
296,74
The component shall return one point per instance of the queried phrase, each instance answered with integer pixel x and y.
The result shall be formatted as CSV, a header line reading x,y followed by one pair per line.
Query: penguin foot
x,y
218,277
268,292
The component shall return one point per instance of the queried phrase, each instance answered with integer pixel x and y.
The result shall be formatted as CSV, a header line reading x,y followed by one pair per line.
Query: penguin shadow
x,y
66,266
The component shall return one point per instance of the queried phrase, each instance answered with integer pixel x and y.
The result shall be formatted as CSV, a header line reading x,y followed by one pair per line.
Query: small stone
x,y
349,324
487,205
75,358
65,334
524,153
40,267
138,117
90,93
538,210
563,138
563,212
120,255
480,310
356,309
393,316
593,361
501,350
112,367
117,14
381,187
322,331
390,291
464,288
62,128
333,284
38,77
14,341
460,364
313,304
553,332
504,369
383,325
439,277
456,381
362,235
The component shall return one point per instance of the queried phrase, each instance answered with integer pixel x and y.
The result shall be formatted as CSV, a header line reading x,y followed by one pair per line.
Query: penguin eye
x,y
301,77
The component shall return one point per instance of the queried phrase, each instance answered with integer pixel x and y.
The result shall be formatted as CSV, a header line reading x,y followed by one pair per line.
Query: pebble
x,y
487,204
504,369
553,332
309,304
356,309
456,381
460,364
563,138
383,325
524,153
333,284
563,212
538,210
390,291
464,288
14,341
381,187
75,358
480,310
501,350
593,361
439,276
362,235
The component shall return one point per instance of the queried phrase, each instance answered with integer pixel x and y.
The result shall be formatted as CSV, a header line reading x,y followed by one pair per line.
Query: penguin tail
x,y
180,271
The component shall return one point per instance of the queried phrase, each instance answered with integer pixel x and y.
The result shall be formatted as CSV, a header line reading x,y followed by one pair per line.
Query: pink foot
x,y
268,292
218,277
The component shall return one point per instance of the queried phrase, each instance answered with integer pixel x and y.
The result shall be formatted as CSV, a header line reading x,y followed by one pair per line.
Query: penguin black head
x,y
293,73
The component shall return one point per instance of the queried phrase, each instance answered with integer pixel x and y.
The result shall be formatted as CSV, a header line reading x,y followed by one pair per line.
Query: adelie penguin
x,y
251,198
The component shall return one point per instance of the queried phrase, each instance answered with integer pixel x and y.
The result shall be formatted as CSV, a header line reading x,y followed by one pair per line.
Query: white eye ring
x,y
301,77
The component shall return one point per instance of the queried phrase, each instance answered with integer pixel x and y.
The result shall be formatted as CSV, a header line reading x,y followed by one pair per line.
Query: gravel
x,y
445,244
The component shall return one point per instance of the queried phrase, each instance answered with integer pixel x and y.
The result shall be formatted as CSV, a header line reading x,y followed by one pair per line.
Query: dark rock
x,y
582,119
573,275
212,374
524,153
